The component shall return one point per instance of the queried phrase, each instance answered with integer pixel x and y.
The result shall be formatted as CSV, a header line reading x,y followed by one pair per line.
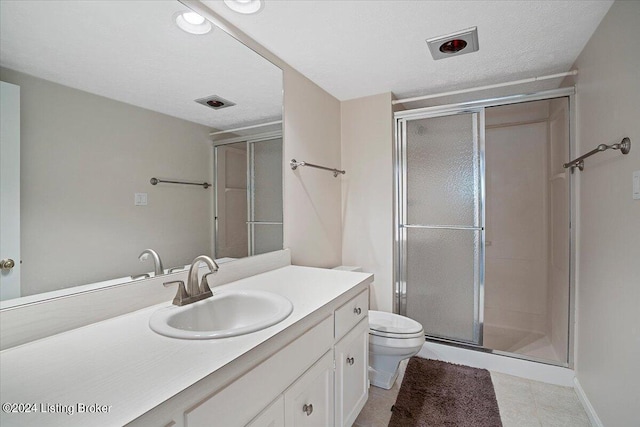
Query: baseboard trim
x,y
498,363
586,404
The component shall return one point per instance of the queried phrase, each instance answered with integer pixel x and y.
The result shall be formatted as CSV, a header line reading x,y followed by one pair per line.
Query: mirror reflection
x,y
92,111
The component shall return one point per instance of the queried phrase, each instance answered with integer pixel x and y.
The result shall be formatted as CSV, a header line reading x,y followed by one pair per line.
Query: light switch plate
x,y
140,199
636,185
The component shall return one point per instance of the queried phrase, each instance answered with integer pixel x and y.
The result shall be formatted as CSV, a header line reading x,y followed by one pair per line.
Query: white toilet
x,y
392,338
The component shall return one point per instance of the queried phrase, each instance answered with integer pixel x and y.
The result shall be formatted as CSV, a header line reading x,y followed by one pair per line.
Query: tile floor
x,y
522,403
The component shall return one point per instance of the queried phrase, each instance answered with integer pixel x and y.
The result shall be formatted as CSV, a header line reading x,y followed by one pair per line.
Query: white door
x,y
9,191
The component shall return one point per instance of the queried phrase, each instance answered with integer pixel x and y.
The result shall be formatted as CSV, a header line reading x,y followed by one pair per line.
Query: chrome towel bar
x,y
624,146
294,165
155,181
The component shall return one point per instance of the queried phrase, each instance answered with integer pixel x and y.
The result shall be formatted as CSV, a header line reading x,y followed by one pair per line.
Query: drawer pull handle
x,y
350,360
357,311
307,409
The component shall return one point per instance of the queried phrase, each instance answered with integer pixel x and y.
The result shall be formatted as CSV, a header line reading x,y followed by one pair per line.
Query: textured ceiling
x,y
356,48
133,52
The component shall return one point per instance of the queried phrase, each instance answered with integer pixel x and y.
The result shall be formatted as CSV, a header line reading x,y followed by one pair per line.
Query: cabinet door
x,y
273,416
309,401
352,368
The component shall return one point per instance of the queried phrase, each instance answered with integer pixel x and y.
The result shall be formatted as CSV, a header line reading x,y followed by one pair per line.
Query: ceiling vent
x,y
458,43
216,102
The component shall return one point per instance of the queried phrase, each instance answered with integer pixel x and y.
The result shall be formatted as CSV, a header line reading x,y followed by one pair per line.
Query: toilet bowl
x,y
392,338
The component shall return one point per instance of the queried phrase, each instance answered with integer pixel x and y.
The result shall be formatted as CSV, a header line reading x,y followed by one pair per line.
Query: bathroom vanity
x,y
309,369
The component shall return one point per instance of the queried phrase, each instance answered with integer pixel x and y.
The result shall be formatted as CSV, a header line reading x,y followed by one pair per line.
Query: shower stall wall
x,y
482,224
526,293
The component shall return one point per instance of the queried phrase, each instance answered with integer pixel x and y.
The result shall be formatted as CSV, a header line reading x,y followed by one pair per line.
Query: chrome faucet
x,y
156,260
194,292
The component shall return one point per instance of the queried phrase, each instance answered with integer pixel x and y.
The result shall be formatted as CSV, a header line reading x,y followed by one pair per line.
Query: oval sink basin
x,y
225,314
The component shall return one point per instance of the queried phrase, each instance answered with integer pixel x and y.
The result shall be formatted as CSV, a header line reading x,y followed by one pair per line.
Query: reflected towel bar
x,y
624,146
294,165
155,181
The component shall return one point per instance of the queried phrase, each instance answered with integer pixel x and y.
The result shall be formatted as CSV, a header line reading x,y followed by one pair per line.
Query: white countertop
x,y
123,364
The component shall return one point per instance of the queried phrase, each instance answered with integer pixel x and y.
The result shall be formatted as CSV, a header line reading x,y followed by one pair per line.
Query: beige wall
x,y
312,197
367,192
83,158
608,288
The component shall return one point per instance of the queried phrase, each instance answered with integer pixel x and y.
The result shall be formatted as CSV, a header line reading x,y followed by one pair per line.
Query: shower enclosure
x,y
248,197
483,238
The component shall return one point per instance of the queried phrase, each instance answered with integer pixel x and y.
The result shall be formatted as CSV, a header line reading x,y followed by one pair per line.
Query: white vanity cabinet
x,y
308,370
318,379
240,401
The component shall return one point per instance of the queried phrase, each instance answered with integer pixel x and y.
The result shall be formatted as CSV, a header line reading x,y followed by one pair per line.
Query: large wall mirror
x,y
100,97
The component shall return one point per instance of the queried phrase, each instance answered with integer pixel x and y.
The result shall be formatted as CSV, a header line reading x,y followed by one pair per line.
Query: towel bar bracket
x,y
624,146
295,164
156,181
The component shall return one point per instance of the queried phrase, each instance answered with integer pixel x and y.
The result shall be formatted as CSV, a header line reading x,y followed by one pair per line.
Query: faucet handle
x,y
181,295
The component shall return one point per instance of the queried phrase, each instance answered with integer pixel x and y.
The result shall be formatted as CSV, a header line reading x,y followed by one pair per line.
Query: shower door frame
x,y
399,246
251,220
477,117
249,141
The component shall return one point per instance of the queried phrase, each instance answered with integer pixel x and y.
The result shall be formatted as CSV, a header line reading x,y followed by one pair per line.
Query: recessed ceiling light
x,y
193,18
244,6
192,23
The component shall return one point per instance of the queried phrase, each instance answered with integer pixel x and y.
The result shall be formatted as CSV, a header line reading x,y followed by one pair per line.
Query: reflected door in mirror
x,y
10,191
248,197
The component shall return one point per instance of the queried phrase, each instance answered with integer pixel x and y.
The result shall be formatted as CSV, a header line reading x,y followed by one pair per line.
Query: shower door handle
x,y
443,227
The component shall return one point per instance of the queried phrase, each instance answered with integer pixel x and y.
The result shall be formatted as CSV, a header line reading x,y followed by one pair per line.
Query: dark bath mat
x,y
435,393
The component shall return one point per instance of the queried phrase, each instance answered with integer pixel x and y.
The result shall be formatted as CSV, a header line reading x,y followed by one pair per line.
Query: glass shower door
x,y
265,196
248,197
440,223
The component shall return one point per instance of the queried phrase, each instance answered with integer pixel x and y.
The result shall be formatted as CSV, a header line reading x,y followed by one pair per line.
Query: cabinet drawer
x,y
348,316
243,399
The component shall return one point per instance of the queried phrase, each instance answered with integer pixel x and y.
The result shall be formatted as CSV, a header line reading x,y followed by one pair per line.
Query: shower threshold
x,y
536,349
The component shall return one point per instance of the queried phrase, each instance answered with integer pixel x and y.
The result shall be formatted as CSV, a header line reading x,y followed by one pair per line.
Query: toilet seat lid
x,y
389,323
